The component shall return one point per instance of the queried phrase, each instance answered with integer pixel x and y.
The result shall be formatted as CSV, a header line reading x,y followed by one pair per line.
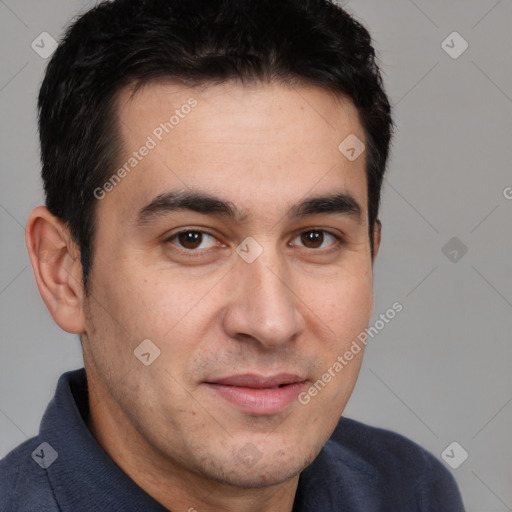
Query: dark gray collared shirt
x,y
360,469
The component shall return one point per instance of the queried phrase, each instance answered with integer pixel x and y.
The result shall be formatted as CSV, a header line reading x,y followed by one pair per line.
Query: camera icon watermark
x,y
44,45
351,147
507,193
454,455
249,455
45,455
146,352
454,45
454,249
249,250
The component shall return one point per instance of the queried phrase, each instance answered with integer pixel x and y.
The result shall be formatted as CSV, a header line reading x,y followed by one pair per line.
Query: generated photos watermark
x,y
152,141
356,347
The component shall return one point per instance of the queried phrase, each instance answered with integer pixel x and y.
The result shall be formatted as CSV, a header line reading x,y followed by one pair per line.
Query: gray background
x,y
439,372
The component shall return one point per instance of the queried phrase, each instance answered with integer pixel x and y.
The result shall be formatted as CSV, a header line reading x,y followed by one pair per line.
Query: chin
x,y
268,470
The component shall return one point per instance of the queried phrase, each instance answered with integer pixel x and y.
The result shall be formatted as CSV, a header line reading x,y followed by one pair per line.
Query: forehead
x,y
255,109
256,143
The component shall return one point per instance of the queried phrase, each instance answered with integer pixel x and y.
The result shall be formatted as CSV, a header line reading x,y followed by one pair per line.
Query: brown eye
x,y
315,239
312,239
193,239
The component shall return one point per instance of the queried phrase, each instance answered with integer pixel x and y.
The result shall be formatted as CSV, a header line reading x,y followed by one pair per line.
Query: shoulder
x,y
24,484
405,471
381,447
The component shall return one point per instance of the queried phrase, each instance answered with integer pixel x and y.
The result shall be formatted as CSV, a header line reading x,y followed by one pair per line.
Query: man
x,y
212,174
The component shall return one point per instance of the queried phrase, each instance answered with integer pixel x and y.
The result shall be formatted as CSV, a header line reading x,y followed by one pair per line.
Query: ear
x,y
377,232
56,263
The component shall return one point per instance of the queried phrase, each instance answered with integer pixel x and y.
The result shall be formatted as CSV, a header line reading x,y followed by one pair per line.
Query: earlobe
x,y
57,269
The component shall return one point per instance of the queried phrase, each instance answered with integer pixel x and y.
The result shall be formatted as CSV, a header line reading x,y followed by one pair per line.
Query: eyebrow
x,y
341,203
200,202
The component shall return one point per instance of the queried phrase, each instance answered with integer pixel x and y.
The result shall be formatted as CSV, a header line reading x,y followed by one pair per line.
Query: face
x,y
215,247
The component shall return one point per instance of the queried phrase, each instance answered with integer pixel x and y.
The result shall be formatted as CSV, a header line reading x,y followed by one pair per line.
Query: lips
x,y
258,395
256,382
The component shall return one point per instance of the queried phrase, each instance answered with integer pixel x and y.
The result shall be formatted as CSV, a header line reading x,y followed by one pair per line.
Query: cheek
x,y
136,299
169,308
343,303
342,311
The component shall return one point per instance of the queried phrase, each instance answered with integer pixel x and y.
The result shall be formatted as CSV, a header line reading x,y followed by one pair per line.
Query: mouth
x,y
257,395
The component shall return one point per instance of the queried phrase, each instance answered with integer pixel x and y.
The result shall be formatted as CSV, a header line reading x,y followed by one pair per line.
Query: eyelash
x,y
338,243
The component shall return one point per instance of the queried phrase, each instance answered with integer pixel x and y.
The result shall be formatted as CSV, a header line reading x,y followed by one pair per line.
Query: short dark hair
x,y
132,42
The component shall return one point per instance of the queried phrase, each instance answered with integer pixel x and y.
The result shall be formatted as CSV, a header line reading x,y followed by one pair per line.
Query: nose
x,y
264,306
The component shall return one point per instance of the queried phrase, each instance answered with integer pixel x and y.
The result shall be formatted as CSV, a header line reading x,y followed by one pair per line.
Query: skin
x,y
295,309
